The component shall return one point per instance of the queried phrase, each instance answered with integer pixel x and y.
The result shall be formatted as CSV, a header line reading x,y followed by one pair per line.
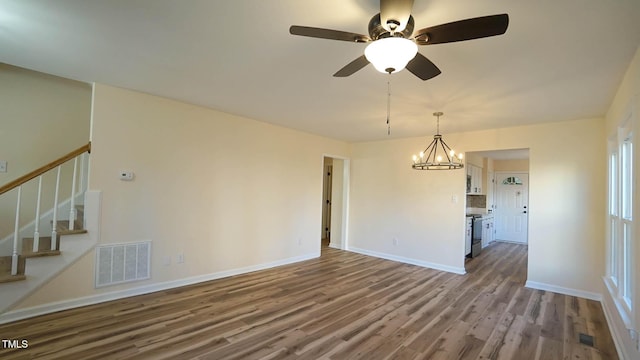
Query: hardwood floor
x,y
339,306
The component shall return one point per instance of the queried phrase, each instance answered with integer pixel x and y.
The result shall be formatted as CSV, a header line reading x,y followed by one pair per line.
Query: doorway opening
x,y
325,234
497,197
335,198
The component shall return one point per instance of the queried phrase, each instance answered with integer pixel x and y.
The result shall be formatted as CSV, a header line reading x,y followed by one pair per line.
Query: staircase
x,y
45,247
28,258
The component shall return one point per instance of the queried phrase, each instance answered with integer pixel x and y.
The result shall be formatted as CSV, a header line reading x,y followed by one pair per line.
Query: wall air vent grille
x,y
121,263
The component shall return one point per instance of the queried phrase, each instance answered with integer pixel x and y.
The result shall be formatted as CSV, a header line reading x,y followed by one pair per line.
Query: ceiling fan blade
x,y
467,29
422,67
352,67
327,34
395,10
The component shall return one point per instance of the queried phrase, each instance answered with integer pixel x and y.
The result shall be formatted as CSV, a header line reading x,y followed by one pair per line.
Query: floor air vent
x,y
585,339
121,263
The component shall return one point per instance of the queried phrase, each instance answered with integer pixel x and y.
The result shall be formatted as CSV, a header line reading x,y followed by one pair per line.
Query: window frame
x,y
620,277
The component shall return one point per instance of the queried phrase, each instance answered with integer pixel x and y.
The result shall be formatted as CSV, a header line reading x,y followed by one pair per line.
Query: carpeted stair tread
x,y
44,247
5,269
63,228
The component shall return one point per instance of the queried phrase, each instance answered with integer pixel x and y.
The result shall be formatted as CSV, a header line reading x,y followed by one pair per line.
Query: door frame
x,y
339,229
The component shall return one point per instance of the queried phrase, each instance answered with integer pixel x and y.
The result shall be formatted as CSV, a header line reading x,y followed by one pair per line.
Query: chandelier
x,y
438,155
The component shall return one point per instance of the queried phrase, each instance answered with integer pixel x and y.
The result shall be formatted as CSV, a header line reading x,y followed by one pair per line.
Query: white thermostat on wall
x,y
126,175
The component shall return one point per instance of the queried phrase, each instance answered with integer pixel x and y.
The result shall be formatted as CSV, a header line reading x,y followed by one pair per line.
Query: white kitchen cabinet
x,y
474,179
488,231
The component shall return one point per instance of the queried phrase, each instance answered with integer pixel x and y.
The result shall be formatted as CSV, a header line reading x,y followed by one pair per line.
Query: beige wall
x,y
474,159
43,117
627,101
338,198
511,165
226,191
567,198
390,200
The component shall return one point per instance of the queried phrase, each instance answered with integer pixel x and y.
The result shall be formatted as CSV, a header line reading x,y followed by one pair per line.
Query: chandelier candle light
x,y
438,155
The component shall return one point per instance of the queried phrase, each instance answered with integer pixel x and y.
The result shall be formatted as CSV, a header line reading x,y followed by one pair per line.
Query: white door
x,y
512,201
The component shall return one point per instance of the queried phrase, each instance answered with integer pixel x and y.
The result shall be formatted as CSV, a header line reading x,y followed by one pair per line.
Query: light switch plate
x,y
126,175
3,166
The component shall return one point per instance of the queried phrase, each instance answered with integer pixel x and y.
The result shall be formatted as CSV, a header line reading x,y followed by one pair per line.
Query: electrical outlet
x,y
395,241
299,241
180,258
3,166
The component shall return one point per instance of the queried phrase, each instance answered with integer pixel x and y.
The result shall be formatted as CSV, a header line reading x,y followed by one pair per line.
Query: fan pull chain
x,y
389,104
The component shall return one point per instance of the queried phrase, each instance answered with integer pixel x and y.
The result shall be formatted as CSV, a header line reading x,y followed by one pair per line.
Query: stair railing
x,y
17,183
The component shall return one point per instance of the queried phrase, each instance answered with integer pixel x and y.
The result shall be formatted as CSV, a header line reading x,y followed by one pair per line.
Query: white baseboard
x,y
20,314
447,268
563,290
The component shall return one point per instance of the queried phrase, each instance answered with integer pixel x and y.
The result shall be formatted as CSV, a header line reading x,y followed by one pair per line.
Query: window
x,y
613,215
613,182
626,199
620,259
512,180
627,180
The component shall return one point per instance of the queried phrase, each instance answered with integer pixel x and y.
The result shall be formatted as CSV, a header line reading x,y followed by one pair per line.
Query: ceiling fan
x,y
393,43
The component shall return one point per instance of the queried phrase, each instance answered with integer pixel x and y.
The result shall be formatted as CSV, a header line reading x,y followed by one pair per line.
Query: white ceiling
x,y
559,60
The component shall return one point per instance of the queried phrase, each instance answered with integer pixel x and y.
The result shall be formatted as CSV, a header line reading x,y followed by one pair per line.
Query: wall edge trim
x,y
426,264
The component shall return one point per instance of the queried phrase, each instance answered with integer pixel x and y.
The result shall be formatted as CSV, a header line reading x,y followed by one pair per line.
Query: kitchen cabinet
x,y
488,231
474,180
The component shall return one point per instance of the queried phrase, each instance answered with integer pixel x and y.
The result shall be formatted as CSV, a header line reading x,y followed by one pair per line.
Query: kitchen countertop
x,y
479,212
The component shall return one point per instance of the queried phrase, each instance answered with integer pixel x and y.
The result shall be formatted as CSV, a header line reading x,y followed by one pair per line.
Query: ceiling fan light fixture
x,y
390,55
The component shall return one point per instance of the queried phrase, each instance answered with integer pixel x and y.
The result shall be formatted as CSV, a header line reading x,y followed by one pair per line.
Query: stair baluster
x,y
72,212
83,160
14,255
36,233
54,232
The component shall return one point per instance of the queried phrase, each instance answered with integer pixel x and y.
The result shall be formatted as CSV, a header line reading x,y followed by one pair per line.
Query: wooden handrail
x,y
23,179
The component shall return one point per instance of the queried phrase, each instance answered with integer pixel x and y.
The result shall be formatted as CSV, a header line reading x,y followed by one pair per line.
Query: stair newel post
x,y
54,232
36,233
14,255
72,211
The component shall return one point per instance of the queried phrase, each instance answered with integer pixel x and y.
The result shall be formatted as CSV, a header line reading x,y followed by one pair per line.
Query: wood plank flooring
x,y
339,306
